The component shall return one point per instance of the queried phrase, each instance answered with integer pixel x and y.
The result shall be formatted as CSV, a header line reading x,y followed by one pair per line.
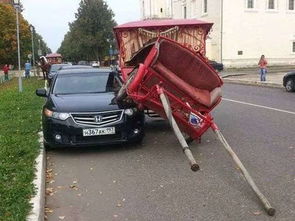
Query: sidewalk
x,y
251,77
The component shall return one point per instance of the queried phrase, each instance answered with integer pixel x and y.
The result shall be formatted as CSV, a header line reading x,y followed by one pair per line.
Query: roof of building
x,y
53,55
162,22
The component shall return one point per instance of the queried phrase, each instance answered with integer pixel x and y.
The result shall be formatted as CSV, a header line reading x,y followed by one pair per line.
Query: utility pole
x,y
33,48
17,7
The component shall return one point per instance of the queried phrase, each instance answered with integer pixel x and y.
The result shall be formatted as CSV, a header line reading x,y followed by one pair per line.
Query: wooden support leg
x,y
269,209
181,139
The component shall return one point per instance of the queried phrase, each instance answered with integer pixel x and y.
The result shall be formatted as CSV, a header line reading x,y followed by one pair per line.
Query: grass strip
x,y
19,147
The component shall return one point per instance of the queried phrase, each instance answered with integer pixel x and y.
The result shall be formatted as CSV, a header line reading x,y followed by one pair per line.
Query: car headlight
x,y
56,115
129,112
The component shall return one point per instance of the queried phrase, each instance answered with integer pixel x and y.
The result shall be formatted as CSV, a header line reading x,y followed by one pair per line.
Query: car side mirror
x,y
41,92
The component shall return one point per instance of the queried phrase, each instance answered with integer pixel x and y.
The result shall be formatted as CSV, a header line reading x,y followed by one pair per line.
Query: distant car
x,y
81,110
217,66
83,63
289,81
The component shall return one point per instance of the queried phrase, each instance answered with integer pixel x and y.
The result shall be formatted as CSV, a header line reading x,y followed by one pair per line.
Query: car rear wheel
x,y
290,85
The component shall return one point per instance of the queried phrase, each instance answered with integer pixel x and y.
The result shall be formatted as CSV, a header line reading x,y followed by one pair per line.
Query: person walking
x,y
27,69
262,65
5,70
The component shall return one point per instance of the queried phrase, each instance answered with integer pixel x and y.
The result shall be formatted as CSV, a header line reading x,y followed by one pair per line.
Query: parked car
x,y
289,81
73,67
81,110
217,66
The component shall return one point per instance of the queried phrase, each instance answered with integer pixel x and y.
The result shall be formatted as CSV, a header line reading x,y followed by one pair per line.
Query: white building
x,y
243,29
151,9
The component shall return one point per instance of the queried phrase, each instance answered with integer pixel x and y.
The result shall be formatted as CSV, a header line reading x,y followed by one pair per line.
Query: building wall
x,y
257,31
152,9
246,33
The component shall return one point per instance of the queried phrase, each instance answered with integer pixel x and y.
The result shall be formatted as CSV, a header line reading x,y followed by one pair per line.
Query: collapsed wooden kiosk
x,y
165,70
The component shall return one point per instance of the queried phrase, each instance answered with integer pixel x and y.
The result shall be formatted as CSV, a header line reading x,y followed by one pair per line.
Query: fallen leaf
x,y
119,205
79,194
49,191
74,187
91,168
61,217
115,216
161,186
100,192
75,182
48,210
114,181
123,199
257,213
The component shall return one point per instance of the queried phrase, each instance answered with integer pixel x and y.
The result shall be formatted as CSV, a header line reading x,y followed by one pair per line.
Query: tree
x,y
90,34
8,39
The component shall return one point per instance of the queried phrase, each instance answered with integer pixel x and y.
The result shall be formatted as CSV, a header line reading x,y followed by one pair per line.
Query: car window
x,y
85,83
54,68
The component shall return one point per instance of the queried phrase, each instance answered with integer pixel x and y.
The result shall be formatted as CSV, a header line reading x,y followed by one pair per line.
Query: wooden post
x,y
269,209
183,143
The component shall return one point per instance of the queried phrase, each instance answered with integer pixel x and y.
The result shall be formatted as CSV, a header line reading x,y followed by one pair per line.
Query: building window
x,y
184,12
271,4
293,47
205,7
291,5
250,3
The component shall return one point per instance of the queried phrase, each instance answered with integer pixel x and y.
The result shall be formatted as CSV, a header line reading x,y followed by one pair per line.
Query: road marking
x,y
260,106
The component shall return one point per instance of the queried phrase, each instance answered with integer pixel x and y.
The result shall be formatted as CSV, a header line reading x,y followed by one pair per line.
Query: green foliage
x,y
20,123
91,32
8,39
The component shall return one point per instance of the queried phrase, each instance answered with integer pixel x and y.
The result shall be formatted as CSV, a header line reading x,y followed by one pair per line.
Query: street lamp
x,y
33,48
16,4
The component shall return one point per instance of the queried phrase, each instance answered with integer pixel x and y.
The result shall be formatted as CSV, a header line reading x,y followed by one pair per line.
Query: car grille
x,y
98,119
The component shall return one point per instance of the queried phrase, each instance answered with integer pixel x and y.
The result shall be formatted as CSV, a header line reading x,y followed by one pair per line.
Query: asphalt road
x,y
153,181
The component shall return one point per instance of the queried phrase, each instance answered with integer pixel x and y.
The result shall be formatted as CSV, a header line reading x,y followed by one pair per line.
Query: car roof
x,y
63,64
76,67
85,70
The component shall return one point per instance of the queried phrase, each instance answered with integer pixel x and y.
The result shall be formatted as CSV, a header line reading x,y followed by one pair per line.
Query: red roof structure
x,y
163,22
53,55
54,58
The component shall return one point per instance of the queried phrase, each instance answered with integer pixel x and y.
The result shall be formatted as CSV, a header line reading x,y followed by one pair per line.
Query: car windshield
x,y
84,83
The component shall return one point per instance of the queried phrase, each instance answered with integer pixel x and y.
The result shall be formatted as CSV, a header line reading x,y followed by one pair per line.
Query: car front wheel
x,y
290,85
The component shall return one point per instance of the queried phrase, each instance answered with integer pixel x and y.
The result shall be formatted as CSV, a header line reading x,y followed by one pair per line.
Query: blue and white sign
x,y
195,120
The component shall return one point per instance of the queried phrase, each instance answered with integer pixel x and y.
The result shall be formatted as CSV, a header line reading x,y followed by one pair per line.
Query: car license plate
x,y
98,131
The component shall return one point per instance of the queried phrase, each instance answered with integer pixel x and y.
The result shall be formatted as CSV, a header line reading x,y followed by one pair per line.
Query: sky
x,y
51,17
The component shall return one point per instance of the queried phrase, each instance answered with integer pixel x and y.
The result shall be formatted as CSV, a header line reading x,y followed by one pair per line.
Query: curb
x,y
254,83
38,201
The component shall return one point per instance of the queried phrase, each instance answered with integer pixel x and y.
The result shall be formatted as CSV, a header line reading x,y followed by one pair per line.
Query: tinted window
x,y
84,83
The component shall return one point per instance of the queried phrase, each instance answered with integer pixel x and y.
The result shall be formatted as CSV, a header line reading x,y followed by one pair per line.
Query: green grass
x,y
19,126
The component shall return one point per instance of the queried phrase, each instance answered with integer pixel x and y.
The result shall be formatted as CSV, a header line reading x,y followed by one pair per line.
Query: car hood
x,y
84,102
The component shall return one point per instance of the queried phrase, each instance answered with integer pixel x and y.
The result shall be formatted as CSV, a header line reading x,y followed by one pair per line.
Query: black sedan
x,y
81,110
217,66
289,81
